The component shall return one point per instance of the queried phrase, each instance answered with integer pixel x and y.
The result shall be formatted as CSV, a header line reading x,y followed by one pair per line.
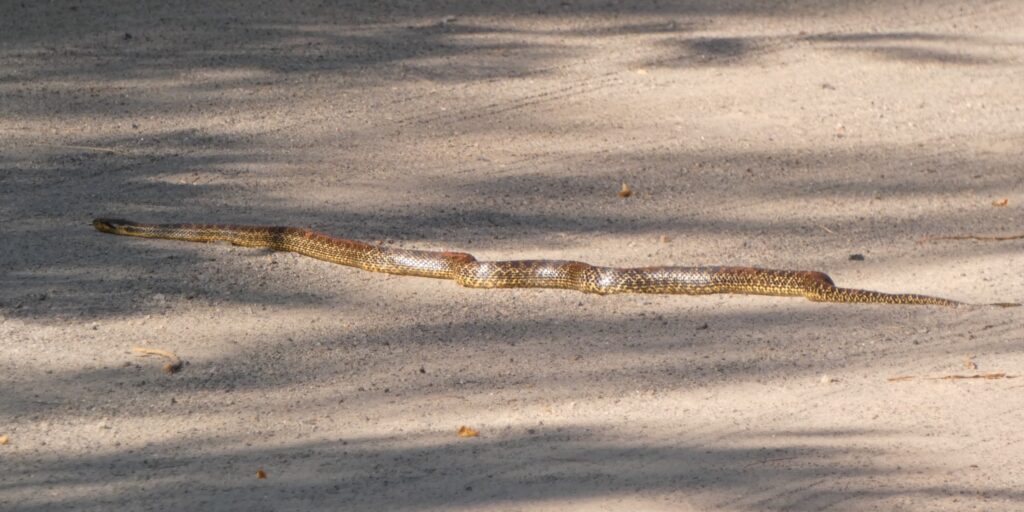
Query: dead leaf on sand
x,y
262,475
969,363
625,191
174,363
4,439
465,431
1001,202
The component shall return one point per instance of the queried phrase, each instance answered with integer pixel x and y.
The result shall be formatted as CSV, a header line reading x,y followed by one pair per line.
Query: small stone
x,y
857,257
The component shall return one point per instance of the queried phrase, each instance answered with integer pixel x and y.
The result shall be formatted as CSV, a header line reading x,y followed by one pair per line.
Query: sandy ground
x,y
789,136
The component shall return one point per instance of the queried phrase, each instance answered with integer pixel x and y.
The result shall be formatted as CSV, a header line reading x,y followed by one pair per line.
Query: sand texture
x,y
790,135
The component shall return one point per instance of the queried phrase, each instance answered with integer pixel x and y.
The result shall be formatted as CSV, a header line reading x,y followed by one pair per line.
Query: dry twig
x,y
986,376
983,238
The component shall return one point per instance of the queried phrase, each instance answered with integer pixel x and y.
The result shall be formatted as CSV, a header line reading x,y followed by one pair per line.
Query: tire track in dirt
x,y
578,88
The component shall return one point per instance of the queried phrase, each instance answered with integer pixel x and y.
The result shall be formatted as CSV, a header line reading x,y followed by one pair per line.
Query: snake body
x,y
467,271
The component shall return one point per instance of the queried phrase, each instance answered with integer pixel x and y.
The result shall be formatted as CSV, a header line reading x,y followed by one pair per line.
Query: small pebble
x,y
856,257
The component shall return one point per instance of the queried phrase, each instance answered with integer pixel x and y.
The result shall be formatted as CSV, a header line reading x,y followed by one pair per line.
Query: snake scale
x,y
467,271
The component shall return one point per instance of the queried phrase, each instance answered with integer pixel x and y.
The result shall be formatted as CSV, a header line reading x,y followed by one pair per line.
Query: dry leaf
x,y
665,239
465,431
625,191
969,363
262,475
1001,202
4,439
174,363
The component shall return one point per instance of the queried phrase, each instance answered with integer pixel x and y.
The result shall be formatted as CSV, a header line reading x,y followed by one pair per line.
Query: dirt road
x,y
785,136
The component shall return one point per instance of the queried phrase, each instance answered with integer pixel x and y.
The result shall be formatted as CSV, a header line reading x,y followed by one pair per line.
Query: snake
x,y
467,271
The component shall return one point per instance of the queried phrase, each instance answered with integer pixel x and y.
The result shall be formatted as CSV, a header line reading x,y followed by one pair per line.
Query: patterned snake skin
x,y
465,270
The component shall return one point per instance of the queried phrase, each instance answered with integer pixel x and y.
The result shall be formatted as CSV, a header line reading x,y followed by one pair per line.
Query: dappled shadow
x,y
273,51
754,470
921,55
917,47
144,53
663,343
904,47
184,113
711,51
56,264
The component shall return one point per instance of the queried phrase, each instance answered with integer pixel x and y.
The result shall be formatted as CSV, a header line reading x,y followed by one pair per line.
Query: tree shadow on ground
x,y
752,471
61,274
366,45
646,345
56,264
900,47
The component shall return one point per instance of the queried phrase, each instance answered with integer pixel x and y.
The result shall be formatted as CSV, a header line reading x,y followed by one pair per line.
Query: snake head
x,y
115,226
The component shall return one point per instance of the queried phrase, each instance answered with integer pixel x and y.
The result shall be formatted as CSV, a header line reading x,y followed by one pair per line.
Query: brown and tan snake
x,y
467,271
